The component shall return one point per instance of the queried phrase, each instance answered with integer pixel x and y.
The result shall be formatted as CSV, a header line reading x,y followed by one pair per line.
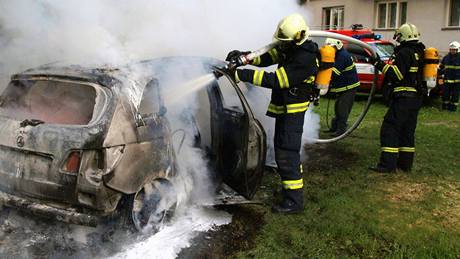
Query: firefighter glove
x,y
235,54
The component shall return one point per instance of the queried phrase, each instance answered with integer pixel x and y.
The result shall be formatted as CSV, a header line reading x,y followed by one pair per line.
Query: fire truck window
x,y
358,53
384,50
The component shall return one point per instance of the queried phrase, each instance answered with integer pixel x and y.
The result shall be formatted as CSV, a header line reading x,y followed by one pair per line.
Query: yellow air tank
x,y
323,78
430,70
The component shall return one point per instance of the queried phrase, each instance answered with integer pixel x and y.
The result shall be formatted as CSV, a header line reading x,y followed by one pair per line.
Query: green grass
x,y
353,213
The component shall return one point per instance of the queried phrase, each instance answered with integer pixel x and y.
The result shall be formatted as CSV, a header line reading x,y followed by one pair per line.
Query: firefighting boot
x,y
387,163
291,203
405,160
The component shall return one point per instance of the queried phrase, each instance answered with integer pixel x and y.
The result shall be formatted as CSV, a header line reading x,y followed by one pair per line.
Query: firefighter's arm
x,y
442,66
267,59
283,78
395,72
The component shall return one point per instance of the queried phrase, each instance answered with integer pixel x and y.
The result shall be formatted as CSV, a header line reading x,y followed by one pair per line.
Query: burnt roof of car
x,y
106,76
110,76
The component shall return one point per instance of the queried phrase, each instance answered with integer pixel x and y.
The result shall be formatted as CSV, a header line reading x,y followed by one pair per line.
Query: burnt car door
x,y
238,139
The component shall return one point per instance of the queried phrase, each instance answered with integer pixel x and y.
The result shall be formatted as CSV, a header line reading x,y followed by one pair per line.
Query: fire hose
x,y
245,59
371,93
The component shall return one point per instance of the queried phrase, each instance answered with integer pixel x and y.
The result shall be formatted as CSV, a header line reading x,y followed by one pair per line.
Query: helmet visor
x,y
279,35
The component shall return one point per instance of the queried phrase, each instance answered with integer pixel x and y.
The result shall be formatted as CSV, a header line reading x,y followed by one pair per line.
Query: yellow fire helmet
x,y
335,43
292,28
407,32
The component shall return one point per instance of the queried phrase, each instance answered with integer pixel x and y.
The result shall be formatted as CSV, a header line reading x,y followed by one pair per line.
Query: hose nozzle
x,y
231,65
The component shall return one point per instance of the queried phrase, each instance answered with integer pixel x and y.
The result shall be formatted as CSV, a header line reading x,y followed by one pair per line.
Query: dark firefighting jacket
x,y
405,73
344,76
292,83
450,67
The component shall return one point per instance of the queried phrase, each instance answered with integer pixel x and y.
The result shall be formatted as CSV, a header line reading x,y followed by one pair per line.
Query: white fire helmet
x,y
335,43
454,45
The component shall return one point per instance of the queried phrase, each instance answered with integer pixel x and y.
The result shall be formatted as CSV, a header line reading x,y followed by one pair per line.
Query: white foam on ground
x,y
171,239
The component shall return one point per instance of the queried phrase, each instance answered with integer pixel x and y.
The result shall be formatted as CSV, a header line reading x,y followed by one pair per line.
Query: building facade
x,y
437,20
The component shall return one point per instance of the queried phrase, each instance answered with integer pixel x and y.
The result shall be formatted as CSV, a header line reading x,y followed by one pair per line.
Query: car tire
x,y
152,206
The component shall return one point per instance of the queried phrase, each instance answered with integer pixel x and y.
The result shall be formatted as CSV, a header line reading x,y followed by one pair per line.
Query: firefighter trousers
x,y
343,104
287,142
450,96
397,138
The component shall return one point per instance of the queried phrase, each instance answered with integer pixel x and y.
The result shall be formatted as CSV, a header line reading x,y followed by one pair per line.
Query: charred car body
x,y
82,144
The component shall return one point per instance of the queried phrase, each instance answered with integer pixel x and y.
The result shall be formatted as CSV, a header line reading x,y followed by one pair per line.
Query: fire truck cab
x,y
362,56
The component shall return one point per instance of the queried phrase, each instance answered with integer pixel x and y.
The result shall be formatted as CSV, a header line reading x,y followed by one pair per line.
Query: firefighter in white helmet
x,y
403,88
292,86
344,83
450,69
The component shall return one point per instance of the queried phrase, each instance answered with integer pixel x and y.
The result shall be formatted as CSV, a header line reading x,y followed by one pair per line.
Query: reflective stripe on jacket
x,y
450,67
405,74
291,82
344,75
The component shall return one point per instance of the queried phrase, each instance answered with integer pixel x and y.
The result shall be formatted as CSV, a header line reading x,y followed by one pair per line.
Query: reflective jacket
x,y
450,67
405,74
292,83
344,76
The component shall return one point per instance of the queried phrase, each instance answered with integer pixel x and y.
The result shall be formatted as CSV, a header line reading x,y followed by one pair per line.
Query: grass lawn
x,y
353,212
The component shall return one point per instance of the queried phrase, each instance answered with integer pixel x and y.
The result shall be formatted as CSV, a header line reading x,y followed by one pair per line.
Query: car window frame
x,y
103,95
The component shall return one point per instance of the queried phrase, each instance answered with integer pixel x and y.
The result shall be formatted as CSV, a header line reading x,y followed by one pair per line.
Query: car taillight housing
x,y
72,163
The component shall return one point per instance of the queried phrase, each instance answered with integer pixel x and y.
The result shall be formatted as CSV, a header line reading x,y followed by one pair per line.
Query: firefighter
x,y
404,84
344,83
450,68
292,87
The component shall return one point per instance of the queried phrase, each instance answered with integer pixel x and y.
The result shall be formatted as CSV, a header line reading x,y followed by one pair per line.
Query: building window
x,y
391,14
454,13
333,17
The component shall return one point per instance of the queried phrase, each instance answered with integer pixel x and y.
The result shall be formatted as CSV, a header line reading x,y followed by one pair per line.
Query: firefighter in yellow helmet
x,y
292,86
403,86
450,69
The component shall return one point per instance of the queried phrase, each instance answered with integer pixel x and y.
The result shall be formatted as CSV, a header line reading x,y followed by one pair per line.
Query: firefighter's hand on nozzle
x,y
235,54
229,69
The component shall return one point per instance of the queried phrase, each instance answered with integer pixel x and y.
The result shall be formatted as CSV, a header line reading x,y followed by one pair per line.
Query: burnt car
x,y
83,144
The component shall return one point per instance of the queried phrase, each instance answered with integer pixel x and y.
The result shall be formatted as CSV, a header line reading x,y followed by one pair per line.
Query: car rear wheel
x,y
153,205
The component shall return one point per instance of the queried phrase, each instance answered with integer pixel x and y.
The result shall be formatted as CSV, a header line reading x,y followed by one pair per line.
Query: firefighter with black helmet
x,y
404,83
450,68
344,83
292,87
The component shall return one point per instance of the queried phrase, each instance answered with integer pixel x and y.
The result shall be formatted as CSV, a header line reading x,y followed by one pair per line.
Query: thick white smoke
x,y
118,31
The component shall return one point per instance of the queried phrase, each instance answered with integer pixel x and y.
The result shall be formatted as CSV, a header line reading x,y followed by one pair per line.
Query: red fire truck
x,y
362,57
